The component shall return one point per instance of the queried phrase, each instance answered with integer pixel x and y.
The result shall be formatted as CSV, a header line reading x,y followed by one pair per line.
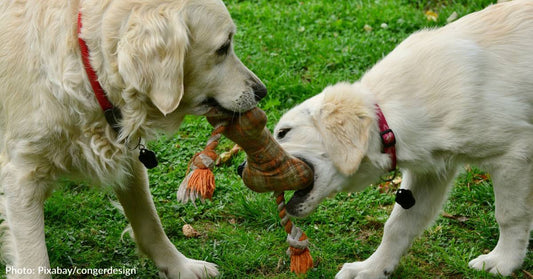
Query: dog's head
x,y
335,132
212,70
171,58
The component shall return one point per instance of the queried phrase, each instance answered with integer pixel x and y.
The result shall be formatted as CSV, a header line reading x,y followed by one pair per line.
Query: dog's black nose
x,y
240,168
260,91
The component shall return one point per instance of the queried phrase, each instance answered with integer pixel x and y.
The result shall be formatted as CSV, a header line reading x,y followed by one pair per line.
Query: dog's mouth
x,y
215,109
294,205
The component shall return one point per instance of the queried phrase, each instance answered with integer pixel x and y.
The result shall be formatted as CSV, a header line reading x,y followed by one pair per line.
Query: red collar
x,y
112,113
387,137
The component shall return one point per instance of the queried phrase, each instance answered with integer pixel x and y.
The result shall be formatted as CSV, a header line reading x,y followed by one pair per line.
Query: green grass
x,y
296,48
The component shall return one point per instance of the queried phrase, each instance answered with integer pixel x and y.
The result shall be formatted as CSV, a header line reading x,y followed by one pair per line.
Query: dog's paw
x,y
190,269
363,270
495,263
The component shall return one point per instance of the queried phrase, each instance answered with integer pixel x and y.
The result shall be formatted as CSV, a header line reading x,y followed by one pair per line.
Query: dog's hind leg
x,y
430,192
25,190
513,191
140,210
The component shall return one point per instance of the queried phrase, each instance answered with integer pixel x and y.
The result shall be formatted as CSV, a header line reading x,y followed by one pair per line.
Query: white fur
x,y
459,94
157,61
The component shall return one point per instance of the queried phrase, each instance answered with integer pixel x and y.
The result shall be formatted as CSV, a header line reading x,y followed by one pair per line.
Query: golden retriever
x,y
459,94
156,60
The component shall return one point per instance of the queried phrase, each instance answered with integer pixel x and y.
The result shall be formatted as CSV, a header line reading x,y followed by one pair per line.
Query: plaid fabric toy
x,y
268,167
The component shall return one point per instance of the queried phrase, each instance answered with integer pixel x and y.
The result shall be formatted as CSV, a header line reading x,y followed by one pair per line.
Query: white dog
x,y
156,60
461,93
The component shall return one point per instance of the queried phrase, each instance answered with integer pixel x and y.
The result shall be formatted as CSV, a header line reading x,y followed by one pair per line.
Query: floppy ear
x,y
151,55
344,123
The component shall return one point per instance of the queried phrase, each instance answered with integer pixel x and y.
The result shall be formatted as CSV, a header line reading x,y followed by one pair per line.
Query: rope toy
x,y
301,260
268,169
200,181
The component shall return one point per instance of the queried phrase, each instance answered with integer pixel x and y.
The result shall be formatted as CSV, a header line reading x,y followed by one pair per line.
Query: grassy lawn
x,y
296,48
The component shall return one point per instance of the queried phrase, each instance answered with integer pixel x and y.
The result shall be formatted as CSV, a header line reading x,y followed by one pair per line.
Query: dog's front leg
x,y
24,194
402,226
149,235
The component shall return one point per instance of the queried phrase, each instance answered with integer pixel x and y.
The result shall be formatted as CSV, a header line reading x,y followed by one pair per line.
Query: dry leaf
x,y
226,156
367,28
431,15
397,180
458,218
452,17
189,231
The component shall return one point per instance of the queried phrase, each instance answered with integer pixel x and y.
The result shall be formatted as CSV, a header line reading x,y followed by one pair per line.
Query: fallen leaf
x,y
458,218
367,28
452,17
431,15
189,231
397,180
226,156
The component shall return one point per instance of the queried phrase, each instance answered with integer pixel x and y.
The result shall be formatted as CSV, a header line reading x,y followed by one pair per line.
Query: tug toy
x,y
200,180
268,168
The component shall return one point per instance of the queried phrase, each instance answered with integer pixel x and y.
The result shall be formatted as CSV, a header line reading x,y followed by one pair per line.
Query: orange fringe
x,y
203,182
301,260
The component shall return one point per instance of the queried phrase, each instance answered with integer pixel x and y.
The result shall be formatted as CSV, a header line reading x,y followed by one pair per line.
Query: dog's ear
x,y
151,55
344,122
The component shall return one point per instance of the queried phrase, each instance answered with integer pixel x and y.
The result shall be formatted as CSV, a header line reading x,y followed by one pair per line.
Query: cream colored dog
x,y
461,93
157,61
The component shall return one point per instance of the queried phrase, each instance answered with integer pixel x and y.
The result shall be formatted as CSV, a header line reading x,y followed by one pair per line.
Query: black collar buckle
x,y
387,138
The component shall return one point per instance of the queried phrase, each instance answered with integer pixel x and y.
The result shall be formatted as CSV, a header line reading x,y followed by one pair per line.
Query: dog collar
x,y
112,113
404,197
388,140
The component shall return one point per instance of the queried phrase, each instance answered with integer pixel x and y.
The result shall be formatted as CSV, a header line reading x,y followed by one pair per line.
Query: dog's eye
x,y
282,133
223,50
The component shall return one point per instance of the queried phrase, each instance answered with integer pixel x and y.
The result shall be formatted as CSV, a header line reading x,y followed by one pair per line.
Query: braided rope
x,y
301,259
200,180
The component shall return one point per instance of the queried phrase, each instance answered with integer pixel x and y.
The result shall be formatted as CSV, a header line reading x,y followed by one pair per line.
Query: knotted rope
x,y
200,181
301,260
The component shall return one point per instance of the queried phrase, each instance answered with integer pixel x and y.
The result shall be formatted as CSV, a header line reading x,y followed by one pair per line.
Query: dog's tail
x,y
128,230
